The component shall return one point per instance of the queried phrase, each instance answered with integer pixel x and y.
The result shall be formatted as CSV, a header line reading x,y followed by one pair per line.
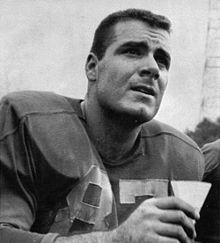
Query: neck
x,y
113,136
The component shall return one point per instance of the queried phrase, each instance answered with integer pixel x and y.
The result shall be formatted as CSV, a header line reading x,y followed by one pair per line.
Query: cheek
x,y
162,83
114,77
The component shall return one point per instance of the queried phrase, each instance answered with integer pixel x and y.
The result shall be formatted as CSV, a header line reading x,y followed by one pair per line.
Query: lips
x,y
144,89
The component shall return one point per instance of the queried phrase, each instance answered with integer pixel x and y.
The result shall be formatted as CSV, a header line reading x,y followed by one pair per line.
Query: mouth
x,y
144,89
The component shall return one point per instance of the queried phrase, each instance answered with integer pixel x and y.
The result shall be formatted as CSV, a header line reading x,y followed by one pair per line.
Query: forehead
x,y
135,30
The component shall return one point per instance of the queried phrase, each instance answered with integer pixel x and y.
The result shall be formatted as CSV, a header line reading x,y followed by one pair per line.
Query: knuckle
x,y
179,231
181,216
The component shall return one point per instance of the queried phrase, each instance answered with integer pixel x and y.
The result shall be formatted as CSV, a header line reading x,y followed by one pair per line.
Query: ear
x,y
91,67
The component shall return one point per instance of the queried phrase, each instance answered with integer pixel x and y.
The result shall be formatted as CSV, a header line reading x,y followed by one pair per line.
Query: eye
x,y
162,62
162,59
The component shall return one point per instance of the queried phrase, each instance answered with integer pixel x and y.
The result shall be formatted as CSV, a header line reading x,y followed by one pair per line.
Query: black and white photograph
x,y
110,121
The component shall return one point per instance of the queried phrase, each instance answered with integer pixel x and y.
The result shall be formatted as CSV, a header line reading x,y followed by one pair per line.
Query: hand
x,y
161,220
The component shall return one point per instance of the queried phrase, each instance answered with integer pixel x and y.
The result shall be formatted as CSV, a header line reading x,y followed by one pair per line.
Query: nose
x,y
149,68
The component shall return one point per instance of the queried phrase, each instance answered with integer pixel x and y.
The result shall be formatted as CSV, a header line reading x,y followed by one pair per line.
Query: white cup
x,y
192,192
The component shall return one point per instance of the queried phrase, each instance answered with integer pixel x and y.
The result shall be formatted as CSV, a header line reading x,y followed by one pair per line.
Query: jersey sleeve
x,y
18,193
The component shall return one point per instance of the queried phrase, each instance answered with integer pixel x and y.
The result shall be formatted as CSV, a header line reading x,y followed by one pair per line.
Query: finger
x,y
180,218
177,203
174,231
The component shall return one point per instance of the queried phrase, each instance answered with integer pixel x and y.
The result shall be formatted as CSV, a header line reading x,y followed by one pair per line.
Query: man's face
x,y
132,75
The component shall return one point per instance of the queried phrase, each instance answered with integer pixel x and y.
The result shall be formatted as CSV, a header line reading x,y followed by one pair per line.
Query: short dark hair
x,y
104,35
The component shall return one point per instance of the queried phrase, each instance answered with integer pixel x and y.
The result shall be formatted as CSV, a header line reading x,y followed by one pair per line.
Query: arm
x,y
18,202
11,234
162,220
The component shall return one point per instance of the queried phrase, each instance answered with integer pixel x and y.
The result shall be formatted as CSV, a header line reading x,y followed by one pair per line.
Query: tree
x,y
205,132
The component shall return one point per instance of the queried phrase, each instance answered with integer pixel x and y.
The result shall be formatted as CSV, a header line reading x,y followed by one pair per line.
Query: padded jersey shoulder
x,y
49,124
29,102
156,128
16,106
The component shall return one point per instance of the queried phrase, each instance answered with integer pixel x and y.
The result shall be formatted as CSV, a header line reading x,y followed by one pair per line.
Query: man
x,y
99,170
209,224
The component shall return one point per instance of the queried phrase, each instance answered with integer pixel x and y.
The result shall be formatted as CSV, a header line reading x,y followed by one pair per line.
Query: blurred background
x,y
44,45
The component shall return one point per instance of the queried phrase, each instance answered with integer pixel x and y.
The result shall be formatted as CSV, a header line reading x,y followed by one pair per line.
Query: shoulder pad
x,y
29,102
155,128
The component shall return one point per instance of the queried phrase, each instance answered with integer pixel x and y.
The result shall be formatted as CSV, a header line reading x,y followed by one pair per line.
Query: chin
x,y
142,113
146,114
139,120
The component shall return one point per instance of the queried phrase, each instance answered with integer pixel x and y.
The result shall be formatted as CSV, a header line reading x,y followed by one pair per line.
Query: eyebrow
x,y
139,44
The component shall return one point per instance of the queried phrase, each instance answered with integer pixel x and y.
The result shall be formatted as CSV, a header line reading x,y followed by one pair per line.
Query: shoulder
x,y
157,128
174,148
212,147
211,152
49,127
34,106
27,102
